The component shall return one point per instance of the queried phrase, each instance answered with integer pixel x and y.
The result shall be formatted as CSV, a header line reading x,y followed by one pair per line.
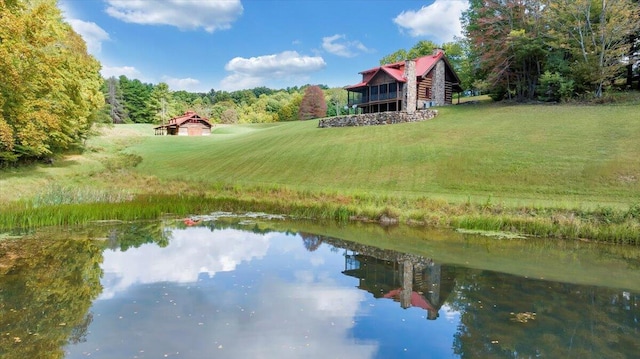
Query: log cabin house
x,y
406,86
189,124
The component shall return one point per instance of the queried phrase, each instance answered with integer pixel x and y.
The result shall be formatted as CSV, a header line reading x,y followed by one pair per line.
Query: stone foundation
x,y
375,119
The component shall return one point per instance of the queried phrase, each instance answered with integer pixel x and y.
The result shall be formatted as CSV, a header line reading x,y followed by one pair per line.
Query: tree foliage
x,y
595,35
46,295
313,104
114,101
49,84
513,43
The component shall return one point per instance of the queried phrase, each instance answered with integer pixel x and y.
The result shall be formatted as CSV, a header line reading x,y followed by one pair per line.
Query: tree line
x,y
552,50
132,101
51,91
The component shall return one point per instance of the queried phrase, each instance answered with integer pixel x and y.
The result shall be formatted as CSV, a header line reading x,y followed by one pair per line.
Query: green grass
x,y
559,155
550,170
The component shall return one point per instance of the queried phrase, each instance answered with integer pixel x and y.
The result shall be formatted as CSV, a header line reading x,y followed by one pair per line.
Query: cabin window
x,y
393,90
427,93
374,93
383,91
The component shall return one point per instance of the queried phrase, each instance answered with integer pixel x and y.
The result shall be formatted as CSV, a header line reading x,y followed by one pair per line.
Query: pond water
x,y
238,288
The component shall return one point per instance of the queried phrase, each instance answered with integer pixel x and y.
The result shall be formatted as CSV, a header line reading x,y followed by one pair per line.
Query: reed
x,y
606,225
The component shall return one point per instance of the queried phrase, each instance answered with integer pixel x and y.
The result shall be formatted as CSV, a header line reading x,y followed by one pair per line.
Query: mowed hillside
x,y
562,155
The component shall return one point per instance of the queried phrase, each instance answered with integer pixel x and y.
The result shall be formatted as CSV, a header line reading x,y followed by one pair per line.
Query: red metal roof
x,y
424,64
186,117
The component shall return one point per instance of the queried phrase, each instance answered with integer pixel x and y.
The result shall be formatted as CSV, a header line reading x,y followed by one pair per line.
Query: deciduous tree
x,y
596,35
49,84
313,104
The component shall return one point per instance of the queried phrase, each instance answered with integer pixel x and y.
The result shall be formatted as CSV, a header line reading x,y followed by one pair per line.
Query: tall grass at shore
x,y
602,224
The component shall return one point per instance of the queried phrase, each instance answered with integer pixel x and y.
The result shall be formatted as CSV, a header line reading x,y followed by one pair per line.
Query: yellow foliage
x,y
49,84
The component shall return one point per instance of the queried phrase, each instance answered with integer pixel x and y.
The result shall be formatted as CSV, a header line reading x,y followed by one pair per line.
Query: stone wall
x,y
439,84
380,118
412,86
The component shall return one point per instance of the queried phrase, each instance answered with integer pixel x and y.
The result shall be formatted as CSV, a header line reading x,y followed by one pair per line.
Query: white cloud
x,y
340,46
116,71
91,32
257,71
186,84
440,20
210,15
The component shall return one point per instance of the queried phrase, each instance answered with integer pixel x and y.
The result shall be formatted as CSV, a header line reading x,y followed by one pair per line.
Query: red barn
x,y
189,124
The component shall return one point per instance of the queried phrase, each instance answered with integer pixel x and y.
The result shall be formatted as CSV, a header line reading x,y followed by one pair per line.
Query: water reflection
x,y
245,291
46,289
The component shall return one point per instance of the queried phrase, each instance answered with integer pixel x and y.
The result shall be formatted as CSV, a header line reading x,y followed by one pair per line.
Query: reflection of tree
x,y
45,293
134,235
570,320
311,241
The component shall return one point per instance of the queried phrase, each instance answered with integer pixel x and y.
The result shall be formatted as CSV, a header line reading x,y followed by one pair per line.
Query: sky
x,y
199,45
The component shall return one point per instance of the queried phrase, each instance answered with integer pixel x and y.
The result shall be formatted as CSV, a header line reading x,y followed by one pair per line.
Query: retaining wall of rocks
x,y
375,119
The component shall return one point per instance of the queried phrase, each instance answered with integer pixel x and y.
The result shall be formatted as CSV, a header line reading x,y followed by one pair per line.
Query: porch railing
x,y
374,98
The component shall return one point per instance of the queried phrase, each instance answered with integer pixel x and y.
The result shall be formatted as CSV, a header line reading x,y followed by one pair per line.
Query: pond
x,y
227,287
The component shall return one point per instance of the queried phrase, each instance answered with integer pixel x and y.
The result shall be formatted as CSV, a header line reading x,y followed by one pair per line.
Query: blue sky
x,y
198,45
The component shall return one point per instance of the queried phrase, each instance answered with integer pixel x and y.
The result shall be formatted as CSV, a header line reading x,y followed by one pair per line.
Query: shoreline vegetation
x,y
560,171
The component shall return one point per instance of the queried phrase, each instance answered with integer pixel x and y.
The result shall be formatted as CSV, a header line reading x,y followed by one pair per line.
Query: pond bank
x,y
603,224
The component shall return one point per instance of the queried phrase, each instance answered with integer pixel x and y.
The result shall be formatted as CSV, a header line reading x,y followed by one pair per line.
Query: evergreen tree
x,y
114,101
160,103
136,98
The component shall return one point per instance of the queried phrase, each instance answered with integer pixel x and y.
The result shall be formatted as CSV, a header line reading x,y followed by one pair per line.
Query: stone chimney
x,y
437,50
410,87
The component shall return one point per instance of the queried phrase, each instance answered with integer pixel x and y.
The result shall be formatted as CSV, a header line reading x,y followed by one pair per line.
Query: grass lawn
x,y
483,154
518,155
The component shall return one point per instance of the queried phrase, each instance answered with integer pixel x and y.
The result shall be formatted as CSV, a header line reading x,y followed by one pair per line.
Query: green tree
x,y
595,33
506,45
49,85
336,99
289,112
160,103
136,98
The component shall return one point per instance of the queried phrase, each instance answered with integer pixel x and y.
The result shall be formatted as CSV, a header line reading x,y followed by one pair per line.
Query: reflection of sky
x,y
191,253
233,294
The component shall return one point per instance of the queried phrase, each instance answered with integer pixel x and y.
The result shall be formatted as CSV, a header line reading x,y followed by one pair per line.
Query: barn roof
x,y
179,120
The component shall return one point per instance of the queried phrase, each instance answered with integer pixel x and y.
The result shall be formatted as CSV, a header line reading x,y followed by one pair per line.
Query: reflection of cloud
x,y
451,314
191,252
310,318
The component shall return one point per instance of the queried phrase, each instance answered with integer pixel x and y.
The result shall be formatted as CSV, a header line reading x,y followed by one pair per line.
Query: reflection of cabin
x,y
189,124
406,86
410,282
